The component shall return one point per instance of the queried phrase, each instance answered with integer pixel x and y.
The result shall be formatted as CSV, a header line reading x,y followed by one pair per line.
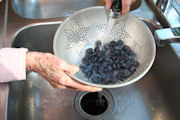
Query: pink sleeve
x,y
12,64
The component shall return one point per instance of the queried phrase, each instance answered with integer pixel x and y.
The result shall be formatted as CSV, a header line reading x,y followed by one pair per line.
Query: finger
x,y
125,6
132,1
52,82
71,68
56,85
108,4
75,84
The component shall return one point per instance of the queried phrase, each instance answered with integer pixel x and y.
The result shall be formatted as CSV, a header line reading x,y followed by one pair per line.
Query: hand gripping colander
x,y
82,29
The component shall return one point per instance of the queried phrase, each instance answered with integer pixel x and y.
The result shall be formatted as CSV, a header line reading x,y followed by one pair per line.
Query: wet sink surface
x,y
155,96
38,9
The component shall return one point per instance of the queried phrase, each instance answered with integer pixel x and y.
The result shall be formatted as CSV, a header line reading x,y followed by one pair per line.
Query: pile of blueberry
x,y
110,63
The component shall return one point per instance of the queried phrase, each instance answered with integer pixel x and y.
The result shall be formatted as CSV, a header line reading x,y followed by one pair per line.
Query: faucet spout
x,y
116,8
168,35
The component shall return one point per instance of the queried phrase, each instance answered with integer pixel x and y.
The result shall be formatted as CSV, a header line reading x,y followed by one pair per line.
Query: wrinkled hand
x,y
125,5
53,70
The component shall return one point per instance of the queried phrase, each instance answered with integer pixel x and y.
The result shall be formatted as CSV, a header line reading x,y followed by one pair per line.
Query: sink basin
x,y
38,9
155,96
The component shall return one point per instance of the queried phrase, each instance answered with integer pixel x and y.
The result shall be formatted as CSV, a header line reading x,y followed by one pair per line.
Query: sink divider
x,y
4,91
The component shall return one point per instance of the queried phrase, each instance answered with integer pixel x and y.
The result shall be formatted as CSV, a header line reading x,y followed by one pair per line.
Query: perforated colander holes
x,y
76,35
119,32
136,46
102,27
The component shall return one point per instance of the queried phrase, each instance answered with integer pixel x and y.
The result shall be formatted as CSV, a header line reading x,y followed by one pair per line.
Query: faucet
x,y
168,35
116,9
169,16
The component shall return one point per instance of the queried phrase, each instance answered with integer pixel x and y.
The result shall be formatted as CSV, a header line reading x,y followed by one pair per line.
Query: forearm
x,y
12,64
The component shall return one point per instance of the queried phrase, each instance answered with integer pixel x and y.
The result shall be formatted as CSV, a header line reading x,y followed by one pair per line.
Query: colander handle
x,y
116,6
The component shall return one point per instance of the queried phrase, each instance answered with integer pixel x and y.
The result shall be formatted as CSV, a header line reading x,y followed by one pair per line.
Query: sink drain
x,y
91,106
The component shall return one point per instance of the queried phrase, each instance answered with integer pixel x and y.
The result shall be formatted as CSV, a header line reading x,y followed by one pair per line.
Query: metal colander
x,y
82,29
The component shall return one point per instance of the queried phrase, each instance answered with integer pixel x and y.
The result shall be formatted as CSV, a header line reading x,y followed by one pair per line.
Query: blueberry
x,y
109,68
123,52
89,51
104,64
122,61
94,59
86,70
98,43
95,78
114,80
114,58
128,62
107,53
137,64
120,42
89,74
115,74
101,70
105,69
85,60
118,65
114,66
106,47
89,67
125,47
112,49
126,73
93,54
109,75
96,64
124,65
94,71
112,43
117,47
102,52
107,59
133,69
96,49
116,61
106,80
100,59
116,52
111,61
131,57
82,66
120,76
132,53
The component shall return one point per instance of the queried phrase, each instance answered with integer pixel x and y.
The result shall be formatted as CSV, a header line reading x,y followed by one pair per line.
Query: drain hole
x,y
92,104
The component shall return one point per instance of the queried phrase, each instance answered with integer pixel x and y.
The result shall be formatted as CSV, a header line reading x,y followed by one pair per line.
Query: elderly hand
x,y
125,5
53,70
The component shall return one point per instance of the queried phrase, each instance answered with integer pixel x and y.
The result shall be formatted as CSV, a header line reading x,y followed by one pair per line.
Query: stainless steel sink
x,y
155,96
38,9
